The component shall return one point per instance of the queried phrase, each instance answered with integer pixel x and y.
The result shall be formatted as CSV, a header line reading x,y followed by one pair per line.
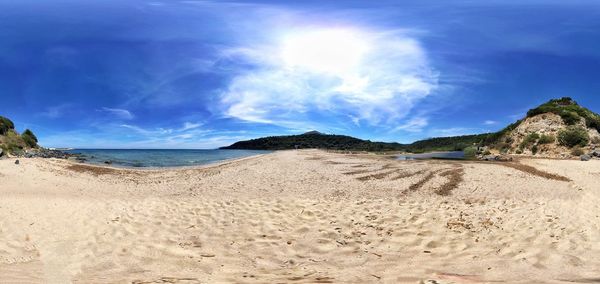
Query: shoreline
x,y
192,167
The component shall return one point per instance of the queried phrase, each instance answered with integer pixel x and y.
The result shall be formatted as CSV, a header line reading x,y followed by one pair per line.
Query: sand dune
x,y
301,217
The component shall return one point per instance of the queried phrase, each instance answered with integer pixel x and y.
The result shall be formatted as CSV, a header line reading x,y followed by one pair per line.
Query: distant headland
x,y
558,128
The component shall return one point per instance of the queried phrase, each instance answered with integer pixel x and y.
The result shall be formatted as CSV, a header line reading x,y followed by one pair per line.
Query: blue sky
x,y
204,74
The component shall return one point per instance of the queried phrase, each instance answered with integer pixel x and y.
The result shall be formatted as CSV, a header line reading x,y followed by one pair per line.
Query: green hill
x,y
11,141
504,140
314,139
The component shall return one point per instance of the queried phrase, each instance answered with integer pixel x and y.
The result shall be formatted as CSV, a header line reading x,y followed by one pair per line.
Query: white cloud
x,y
388,74
148,132
188,128
413,125
119,113
56,111
490,122
190,125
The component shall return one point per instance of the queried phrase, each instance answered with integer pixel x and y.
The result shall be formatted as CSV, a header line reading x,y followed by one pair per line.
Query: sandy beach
x,y
304,216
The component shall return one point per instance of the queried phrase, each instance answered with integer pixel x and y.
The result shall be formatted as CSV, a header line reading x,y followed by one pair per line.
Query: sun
x,y
334,51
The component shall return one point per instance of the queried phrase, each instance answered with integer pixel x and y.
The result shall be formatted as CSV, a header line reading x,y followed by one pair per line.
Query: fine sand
x,y
302,217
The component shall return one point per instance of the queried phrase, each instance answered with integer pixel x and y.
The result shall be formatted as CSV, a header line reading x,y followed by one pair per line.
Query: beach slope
x,y
301,217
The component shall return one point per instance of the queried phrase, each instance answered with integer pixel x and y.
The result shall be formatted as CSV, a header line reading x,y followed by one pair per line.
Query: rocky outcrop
x,y
46,153
550,130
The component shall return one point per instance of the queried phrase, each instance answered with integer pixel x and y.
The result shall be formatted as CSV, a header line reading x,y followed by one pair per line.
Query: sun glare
x,y
328,51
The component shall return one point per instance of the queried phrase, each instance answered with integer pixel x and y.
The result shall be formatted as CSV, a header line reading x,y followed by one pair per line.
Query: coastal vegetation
x,y
314,139
5,125
578,121
573,136
11,141
570,112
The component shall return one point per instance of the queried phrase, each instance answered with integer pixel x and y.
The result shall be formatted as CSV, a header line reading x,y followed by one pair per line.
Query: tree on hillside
x,y
29,138
5,125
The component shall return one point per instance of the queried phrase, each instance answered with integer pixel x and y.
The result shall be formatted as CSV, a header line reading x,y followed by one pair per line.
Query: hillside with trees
x,y
11,142
314,139
558,128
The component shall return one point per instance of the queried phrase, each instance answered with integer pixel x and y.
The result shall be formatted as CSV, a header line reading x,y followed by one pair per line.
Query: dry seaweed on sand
x,y
455,177
534,171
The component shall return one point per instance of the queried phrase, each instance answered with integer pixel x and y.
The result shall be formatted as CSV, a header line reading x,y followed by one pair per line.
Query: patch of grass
x,y
13,143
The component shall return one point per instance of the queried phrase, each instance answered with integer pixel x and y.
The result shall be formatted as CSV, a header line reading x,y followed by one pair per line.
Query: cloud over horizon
x,y
380,84
118,113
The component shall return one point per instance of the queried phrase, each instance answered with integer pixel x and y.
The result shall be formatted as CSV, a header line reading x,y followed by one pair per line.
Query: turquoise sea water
x,y
160,158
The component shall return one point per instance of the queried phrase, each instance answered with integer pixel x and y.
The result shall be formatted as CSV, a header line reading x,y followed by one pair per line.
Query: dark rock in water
x,y
585,158
108,162
16,162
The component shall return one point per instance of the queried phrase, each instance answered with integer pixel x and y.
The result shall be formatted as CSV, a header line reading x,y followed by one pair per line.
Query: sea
x,y
144,158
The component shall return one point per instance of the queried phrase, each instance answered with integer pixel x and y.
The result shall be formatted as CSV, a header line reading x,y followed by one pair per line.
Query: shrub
x,y
593,121
569,117
13,143
529,140
577,151
5,125
546,139
503,146
29,138
596,140
519,151
460,146
534,149
573,136
470,152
